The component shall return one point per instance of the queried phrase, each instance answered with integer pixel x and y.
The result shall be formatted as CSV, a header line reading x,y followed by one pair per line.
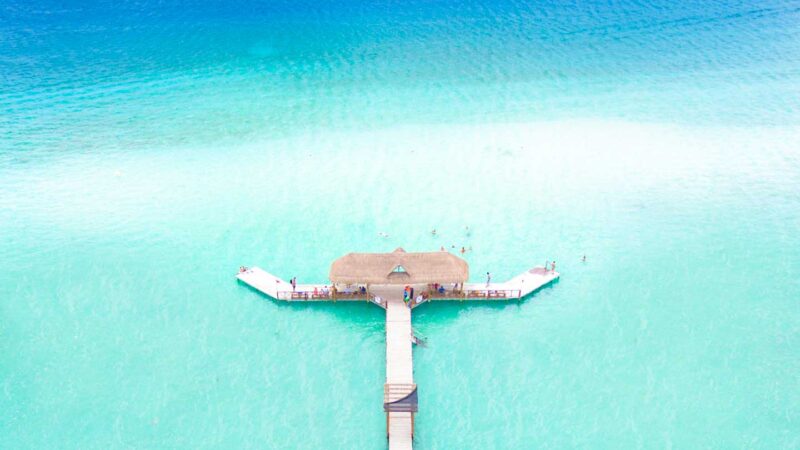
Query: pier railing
x,y
446,294
320,295
493,293
476,294
465,294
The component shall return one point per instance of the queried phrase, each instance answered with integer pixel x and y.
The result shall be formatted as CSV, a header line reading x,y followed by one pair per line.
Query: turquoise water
x,y
148,149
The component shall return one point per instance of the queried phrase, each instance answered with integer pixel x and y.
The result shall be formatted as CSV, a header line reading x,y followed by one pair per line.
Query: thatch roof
x,y
399,267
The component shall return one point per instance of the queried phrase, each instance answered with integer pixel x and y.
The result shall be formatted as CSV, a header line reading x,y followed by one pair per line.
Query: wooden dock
x,y
400,391
516,288
399,369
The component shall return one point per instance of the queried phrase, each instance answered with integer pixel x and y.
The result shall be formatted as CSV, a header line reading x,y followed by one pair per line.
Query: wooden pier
x,y
399,371
379,278
516,288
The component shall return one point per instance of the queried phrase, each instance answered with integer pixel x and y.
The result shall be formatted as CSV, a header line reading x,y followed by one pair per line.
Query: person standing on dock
x,y
488,279
293,281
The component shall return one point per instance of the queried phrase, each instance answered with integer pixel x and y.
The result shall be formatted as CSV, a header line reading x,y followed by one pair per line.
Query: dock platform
x,y
516,288
400,391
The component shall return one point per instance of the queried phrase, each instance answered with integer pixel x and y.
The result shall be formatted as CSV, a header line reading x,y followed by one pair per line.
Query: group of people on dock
x,y
409,299
324,291
408,294
439,288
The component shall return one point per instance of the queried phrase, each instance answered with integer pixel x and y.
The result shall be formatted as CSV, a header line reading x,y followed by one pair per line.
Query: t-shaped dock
x,y
389,280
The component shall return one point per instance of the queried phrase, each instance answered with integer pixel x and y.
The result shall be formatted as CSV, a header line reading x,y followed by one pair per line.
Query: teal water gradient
x,y
147,150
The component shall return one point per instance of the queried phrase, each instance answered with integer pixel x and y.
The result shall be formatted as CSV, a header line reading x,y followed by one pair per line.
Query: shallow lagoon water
x,y
660,142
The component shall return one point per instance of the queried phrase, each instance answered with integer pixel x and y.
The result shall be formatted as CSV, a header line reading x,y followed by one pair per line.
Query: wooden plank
x,y
400,431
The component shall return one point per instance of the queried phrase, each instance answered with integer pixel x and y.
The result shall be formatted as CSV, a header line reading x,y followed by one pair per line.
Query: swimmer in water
x,y
584,258
433,232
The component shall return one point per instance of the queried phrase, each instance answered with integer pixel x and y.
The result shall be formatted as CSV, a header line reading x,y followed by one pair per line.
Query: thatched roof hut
x,y
399,267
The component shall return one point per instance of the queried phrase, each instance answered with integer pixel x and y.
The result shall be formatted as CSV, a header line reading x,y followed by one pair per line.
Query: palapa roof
x,y
399,267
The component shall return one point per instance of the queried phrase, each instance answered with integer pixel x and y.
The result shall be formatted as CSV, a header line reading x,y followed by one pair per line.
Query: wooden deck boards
x,y
399,363
400,431
398,341
264,281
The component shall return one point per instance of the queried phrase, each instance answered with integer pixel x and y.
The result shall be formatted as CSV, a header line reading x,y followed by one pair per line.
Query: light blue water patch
x,y
147,150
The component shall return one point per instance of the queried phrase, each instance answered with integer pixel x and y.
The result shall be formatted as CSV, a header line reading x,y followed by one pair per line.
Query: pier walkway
x,y
399,368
